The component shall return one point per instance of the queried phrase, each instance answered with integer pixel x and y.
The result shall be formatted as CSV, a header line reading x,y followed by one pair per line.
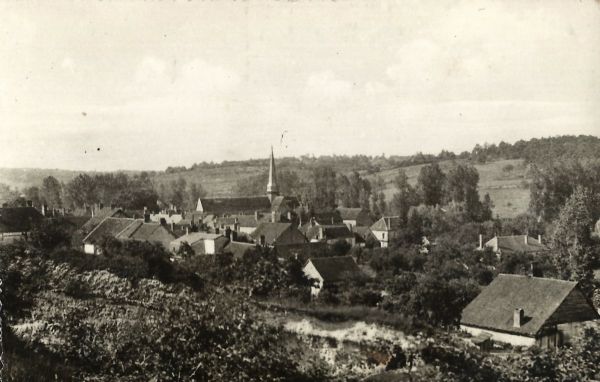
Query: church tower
x,y
272,188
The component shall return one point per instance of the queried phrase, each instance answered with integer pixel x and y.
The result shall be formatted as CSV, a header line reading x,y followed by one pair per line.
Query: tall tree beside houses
x,y
572,242
323,188
405,197
431,183
195,191
51,191
81,191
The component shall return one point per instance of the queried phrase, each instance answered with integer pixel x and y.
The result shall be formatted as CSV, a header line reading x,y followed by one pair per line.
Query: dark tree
x,y
431,184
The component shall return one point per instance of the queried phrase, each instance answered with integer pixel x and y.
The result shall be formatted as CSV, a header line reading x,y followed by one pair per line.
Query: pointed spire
x,y
272,188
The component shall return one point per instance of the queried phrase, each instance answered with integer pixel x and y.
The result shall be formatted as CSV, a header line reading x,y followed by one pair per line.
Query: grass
x,y
505,187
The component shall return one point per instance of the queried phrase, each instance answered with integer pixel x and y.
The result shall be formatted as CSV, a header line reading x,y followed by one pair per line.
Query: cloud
x,y
325,86
150,69
67,64
420,65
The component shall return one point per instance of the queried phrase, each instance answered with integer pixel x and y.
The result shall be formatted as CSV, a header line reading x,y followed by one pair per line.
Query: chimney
x,y
256,215
518,316
540,239
480,241
289,216
187,231
312,221
44,210
525,238
146,215
92,211
273,214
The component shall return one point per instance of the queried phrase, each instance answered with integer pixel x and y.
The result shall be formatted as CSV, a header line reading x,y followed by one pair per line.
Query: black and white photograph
x,y
300,190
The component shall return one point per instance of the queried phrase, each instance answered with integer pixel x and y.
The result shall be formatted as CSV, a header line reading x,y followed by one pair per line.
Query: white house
x,y
386,229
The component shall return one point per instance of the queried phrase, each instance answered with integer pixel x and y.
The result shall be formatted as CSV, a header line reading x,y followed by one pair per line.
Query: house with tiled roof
x,y
108,227
239,249
17,222
327,271
329,234
353,217
513,244
527,311
386,229
126,229
278,233
362,235
202,243
150,232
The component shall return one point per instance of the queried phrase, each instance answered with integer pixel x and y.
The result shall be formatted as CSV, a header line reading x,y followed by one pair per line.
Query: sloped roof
x,y
98,218
336,268
540,298
386,223
143,231
108,227
516,243
350,213
327,217
244,220
236,205
291,202
362,232
18,219
330,232
271,231
194,237
239,249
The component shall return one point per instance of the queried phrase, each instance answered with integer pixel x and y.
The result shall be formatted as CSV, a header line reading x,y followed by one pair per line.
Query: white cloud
x,y
325,86
67,64
150,69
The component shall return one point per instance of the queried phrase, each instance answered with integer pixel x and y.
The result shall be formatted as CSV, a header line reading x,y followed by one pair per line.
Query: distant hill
x,y
502,168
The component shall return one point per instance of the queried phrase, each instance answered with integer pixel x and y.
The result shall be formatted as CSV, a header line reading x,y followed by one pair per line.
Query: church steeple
x,y
272,188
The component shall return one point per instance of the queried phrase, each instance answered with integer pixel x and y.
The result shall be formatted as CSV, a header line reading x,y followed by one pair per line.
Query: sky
x,y
107,85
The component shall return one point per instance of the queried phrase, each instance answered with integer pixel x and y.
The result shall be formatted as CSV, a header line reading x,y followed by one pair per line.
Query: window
x,y
383,235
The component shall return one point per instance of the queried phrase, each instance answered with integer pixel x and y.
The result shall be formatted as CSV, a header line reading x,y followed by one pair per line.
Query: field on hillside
x,y
507,189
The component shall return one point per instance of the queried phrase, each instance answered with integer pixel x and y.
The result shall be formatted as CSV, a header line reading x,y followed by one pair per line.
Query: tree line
x,y
119,189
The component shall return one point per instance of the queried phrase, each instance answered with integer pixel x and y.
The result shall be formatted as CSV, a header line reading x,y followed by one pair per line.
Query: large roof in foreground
x,y
544,301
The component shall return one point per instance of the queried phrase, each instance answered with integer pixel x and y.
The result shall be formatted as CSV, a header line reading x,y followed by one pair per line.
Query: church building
x,y
281,208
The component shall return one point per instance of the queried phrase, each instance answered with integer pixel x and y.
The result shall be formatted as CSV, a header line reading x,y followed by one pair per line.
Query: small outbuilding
x,y
330,270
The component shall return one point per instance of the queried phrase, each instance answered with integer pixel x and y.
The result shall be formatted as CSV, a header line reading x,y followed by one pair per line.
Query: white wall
x,y
90,249
209,247
311,272
247,230
512,339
